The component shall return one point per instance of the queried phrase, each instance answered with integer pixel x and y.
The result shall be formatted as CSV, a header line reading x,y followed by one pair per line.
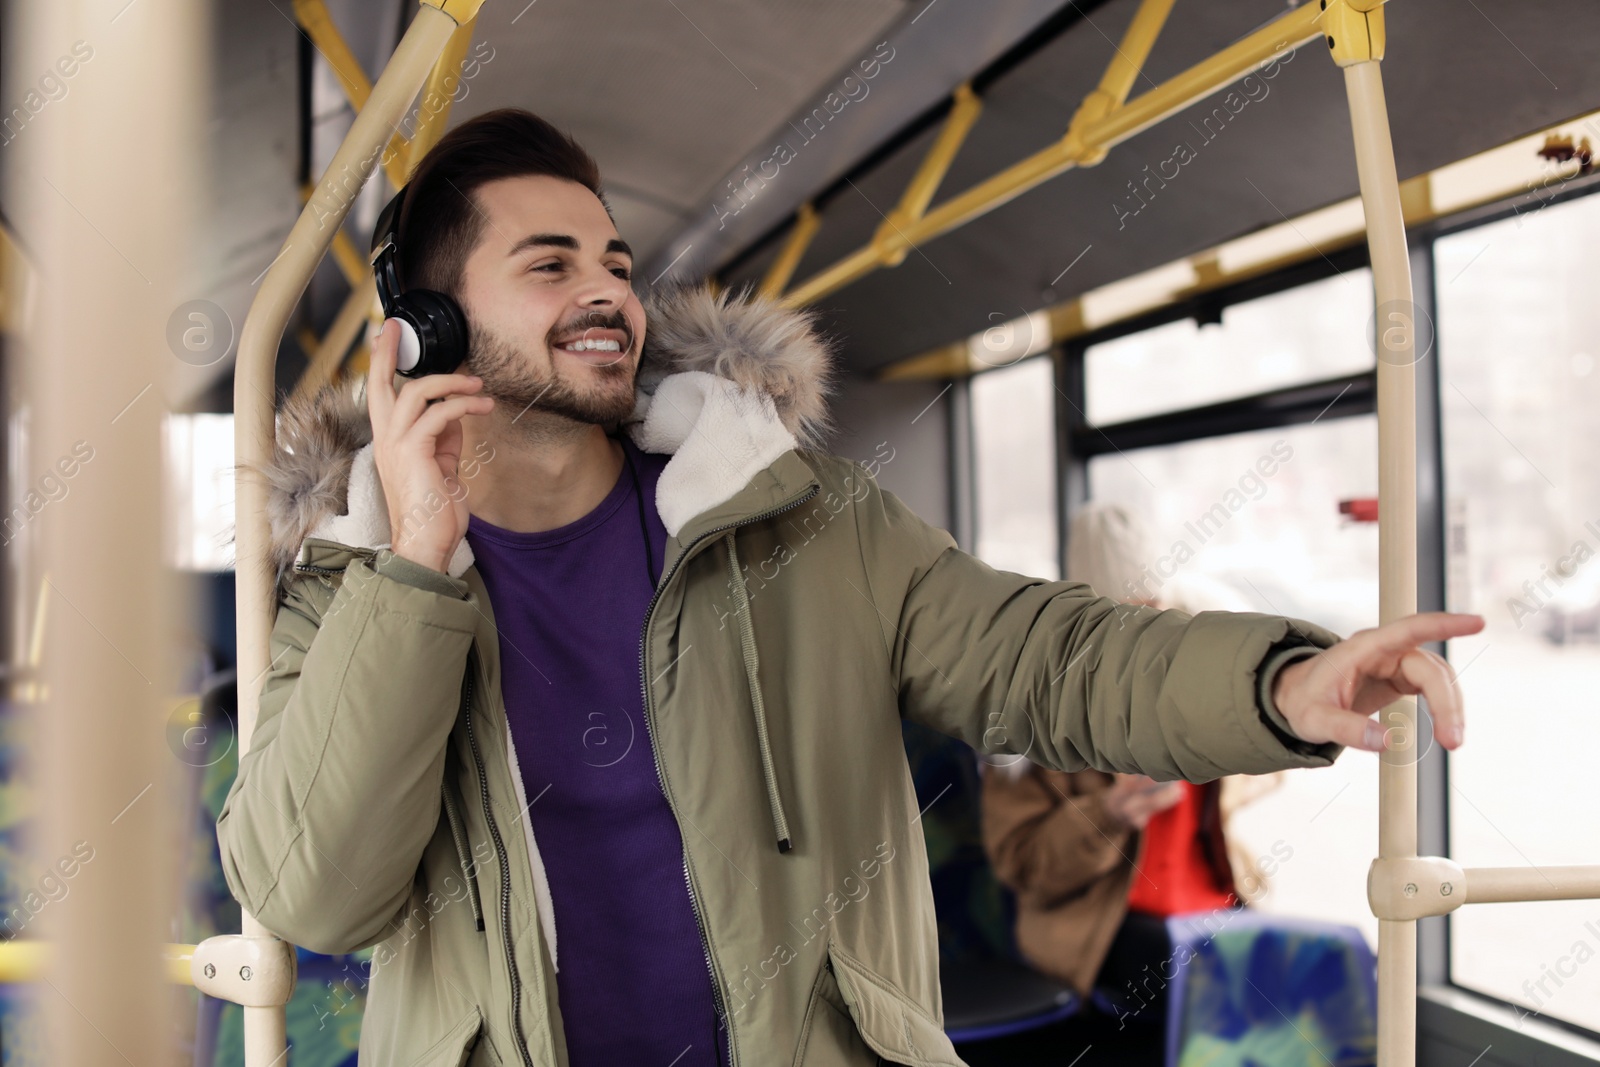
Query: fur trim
x,y
308,478
720,436
764,349
752,341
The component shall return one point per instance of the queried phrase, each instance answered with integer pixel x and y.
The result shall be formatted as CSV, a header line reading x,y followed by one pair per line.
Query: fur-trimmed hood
x,y
726,385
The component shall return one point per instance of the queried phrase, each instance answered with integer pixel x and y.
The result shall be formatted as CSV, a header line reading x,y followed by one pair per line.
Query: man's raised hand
x,y
1331,696
417,442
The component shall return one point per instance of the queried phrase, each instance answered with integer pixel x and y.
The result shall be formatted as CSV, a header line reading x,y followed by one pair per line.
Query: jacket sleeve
x,y
325,825
1012,664
1046,844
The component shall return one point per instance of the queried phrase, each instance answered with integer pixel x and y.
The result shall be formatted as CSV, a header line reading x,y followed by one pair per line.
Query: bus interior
x,y
1312,290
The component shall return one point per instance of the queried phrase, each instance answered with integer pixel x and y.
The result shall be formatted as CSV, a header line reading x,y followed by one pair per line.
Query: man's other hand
x,y
1332,695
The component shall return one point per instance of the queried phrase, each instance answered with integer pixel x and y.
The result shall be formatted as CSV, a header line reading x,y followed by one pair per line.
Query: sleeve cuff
x,y
413,573
1291,650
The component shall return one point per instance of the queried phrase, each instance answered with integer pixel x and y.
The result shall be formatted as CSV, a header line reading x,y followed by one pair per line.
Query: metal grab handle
x,y
253,388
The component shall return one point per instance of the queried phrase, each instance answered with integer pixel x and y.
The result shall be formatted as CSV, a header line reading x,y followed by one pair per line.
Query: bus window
x,y
1519,336
1013,435
199,458
1250,522
1308,333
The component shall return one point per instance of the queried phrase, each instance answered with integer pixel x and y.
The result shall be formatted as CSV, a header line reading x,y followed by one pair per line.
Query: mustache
x,y
594,320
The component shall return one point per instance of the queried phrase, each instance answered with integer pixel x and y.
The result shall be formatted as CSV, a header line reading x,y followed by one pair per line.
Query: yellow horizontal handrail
x,y
1098,125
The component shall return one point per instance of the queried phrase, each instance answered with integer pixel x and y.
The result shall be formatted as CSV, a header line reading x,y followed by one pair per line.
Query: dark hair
x,y
441,221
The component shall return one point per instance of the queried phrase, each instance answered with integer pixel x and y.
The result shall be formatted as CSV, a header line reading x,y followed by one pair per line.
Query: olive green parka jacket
x,y
802,611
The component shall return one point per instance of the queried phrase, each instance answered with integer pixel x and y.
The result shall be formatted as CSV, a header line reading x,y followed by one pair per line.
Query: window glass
x,y
1519,335
199,458
1303,334
1013,442
1252,522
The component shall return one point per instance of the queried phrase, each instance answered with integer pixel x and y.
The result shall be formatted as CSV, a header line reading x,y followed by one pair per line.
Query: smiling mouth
x,y
595,340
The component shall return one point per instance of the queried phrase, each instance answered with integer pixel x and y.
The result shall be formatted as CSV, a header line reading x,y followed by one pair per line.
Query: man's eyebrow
x,y
537,240
567,241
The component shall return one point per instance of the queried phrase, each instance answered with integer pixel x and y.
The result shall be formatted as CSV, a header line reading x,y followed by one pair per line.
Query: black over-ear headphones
x,y
433,328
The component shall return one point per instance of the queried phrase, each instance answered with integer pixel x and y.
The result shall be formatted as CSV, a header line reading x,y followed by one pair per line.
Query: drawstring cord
x,y
747,642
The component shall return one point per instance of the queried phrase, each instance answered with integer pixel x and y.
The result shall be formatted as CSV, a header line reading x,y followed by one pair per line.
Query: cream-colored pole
x,y
1397,531
253,389
1498,885
105,206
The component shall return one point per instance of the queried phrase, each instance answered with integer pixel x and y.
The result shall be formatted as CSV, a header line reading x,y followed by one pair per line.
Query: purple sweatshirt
x,y
569,603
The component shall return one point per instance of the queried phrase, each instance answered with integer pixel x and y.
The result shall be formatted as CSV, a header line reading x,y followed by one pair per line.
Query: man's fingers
x,y
1328,722
380,374
1423,629
439,416
415,395
1432,677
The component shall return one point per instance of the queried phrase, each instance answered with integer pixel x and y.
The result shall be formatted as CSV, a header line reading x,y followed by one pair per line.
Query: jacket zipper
x,y
644,692
505,864
494,830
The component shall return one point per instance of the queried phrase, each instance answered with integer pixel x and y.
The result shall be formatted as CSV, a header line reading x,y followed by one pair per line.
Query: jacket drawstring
x,y
747,644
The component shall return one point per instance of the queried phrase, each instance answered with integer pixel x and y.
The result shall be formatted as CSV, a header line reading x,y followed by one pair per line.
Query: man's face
x,y
554,323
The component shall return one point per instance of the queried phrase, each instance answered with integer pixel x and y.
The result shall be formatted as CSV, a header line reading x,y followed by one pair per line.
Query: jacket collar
x,y
784,483
729,386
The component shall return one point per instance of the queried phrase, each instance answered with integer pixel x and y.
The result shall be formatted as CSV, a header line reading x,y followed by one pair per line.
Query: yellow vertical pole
x,y
107,207
805,228
964,110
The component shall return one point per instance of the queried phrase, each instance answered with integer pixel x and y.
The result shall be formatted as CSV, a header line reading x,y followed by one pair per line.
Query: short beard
x,y
509,376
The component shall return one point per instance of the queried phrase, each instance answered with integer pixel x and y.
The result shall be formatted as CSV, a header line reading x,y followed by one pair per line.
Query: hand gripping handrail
x,y
253,403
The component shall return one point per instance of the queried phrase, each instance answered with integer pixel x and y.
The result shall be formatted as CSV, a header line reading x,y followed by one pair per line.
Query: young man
x,y
597,739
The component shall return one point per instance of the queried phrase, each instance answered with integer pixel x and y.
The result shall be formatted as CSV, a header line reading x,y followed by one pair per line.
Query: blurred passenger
x,y
1099,861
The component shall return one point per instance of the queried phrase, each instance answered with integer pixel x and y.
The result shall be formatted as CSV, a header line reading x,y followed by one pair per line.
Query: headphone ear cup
x,y
441,329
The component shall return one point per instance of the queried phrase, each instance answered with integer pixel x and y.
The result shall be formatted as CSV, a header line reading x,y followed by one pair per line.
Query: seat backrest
x,y
976,913
1270,989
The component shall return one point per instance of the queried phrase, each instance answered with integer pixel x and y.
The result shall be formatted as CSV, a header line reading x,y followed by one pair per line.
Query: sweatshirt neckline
x,y
623,489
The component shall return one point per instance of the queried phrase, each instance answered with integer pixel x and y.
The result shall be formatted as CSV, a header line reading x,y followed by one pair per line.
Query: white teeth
x,y
593,346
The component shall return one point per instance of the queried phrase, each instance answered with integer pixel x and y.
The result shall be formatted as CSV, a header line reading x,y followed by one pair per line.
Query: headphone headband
x,y
433,326
385,256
